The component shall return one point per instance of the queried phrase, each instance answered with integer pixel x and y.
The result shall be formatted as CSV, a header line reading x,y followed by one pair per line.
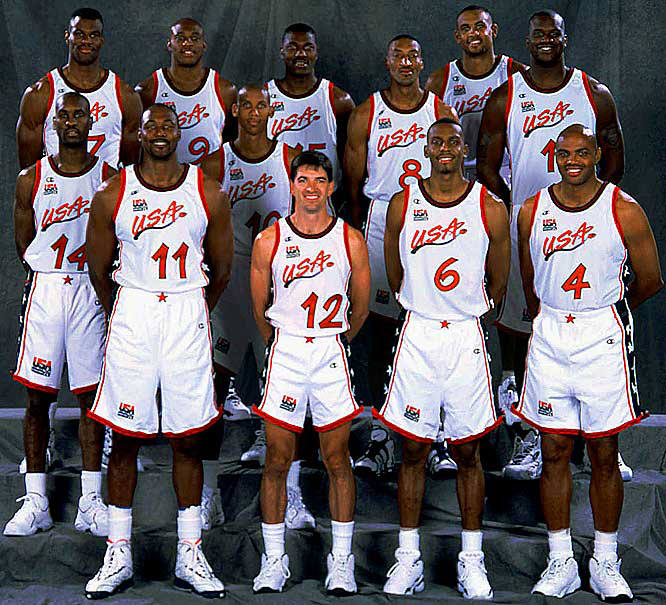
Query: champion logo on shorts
x,y
288,403
41,366
236,174
545,408
126,410
549,224
222,345
412,413
459,89
384,123
292,251
420,214
382,297
139,205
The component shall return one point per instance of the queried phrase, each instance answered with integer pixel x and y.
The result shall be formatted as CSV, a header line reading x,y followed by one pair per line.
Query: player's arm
x,y
435,82
292,153
498,258
212,167
24,214
218,243
110,172
526,266
260,278
394,218
30,125
132,110
343,105
101,241
442,110
609,134
360,282
146,91
491,144
642,249
355,159
229,95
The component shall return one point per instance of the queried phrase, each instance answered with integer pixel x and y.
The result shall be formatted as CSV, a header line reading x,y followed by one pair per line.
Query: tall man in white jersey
x,y
576,239
384,154
317,266
201,97
522,118
62,318
447,257
168,219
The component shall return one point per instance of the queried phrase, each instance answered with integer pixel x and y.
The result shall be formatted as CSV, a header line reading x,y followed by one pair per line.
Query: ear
x,y
457,37
465,150
425,151
565,40
234,110
331,187
494,29
597,156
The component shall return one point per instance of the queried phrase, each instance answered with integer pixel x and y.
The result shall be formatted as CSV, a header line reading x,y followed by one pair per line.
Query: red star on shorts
x,y
445,324
570,318
309,339
68,280
162,297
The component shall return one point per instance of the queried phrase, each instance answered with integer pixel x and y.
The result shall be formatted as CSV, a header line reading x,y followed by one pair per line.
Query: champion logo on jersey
x,y
50,188
412,413
439,235
278,106
549,224
568,240
139,205
545,408
526,106
293,251
384,123
126,410
548,118
307,268
459,89
288,403
236,174
420,214
456,78
158,219
65,213
400,138
41,366
165,94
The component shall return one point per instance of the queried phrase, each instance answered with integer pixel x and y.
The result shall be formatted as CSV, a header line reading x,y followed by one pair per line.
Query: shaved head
x,y
554,15
187,22
73,96
156,108
579,130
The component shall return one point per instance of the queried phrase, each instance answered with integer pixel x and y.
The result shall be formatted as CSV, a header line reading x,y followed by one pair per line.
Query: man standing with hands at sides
x,y
316,266
62,318
385,144
576,238
168,219
201,98
447,257
523,117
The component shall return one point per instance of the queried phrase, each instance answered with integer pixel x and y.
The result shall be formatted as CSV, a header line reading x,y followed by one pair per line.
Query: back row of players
x,y
395,140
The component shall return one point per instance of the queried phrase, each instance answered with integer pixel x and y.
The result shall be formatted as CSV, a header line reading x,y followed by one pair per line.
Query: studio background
x,y
616,42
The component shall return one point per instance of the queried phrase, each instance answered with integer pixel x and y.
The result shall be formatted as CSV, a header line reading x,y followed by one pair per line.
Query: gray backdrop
x,y
616,42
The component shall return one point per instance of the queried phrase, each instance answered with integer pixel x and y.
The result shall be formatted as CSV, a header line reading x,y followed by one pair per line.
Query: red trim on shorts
x,y
337,423
211,422
156,85
345,233
397,429
117,87
121,193
485,431
285,159
485,363
624,361
202,195
276,245
285,425
217,93
616,430
588,90
616,194
331,97
550,431
436,107
118,429
34,385
509,99
25,324
87,389
221,177
445,81
270,368
344,361
372,114
395,361
35,185
483,210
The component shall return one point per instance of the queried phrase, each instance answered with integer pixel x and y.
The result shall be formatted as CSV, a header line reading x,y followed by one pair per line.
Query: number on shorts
x,y
410,168
97,140
179,255
78,257
446,279
199,148
549,152
310,305
575,282
256,225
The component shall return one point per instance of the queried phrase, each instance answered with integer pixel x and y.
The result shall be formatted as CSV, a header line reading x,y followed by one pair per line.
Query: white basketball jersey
x,y
259,192
396,141
105,109
579,256
469,94
61,204
306,122
443,250
200,114
534,118
161,233
310,280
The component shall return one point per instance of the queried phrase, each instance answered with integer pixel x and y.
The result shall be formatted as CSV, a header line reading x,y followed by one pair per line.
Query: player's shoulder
x,y
266,239
114,184
515,66
222,82
147,85
624,201
529,204
353,235
437,79
38,91
597,88
26,177
211,164
489,198
492,205
341,97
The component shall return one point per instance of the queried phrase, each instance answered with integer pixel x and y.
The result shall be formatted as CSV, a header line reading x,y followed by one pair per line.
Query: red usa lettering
x,y
190,120
97,111
437,235
251,190
65,212
399,138
306,268
157,219
567,240
474,103
295,121
547,118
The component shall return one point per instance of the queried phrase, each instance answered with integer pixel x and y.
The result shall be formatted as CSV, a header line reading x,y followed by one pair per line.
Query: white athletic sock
x,y
35,483
408,539
293,475
210,470
559,543
120,523
605,545
91,482
342,533
273,534
472,540
189,524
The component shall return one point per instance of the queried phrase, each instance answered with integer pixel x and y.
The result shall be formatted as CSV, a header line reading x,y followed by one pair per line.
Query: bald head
x,y
73,97
159,109
187,22
578,130
548,14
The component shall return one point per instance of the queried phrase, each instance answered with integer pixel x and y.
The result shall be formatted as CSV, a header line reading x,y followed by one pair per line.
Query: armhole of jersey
x,y
345,232
221,177
534,211
372,114
105,171
35,185
616,194
445,81
405,202
120,101
156,86
202,195
509,99
483,210
49,103
285,159
509,66
437,116
121,193
588,90
276,244
217,93
331,97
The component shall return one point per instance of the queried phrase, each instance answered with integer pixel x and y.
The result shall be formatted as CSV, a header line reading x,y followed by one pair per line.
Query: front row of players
x,y
447,258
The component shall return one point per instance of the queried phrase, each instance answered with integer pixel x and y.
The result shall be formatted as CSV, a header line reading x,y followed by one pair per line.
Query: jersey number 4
x,y
180,255
576,282
332,304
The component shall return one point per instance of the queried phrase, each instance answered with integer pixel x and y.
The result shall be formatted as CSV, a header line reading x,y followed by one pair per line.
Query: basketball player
x,y
201,98
466,84
168,219
311,261
386,133
522,117
447,240
62,318
576,238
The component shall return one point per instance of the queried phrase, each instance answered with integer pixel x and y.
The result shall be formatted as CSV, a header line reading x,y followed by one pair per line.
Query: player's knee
x,y
337,461
278,460
603,455
38,406
555,451
466,456
415,453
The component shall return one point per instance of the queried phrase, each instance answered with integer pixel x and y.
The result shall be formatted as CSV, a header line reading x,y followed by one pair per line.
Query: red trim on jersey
x,y
485,431
221,177
35,185
624,361
616,194
509,100
534,210
119,429
217,93
105,171
281,423
405,203
121,193
617,429
483,210
372,114
34,385
276,245
337,423
331,97
436,108
49,103
397,429
25,321
270,368
445,81
345,233
156,85
394,365
198,429
87,389
117,87
488,378
509,66
588,90
202,195
285,159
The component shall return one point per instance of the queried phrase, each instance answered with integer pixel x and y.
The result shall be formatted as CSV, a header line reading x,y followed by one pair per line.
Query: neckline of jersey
x,y
392,107
434,202
184,93
588,204
71,175
84,90
490,72
303,95
547,91
326,231
178,183
259,160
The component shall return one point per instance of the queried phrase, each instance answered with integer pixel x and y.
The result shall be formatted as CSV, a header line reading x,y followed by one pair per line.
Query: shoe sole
x,y
14,535
486,597
84,527
620,598
185,586
418,587
340,592
267,590
573,587
97,595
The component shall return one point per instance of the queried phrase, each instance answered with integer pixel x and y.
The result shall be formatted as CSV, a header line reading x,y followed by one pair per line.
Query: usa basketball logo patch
x,y
277,106
50,188
41,366
526,106
288,403
236,174
126,410
545,408
412,413
293,252
459,89
139,205
384,123
549,224
420,214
